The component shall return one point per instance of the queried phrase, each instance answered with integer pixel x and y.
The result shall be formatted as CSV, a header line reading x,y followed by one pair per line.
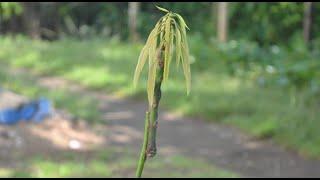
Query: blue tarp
x,y
35,111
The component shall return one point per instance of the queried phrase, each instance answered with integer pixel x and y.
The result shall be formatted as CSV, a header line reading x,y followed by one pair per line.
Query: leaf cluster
x,y
168,34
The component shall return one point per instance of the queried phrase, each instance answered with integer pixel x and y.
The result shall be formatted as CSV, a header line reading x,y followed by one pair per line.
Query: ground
x,y
229,125
62,147
287,115
187,147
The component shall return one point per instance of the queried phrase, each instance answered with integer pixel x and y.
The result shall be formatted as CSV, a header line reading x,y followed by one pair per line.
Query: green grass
x,y
81,107
114,163
287,116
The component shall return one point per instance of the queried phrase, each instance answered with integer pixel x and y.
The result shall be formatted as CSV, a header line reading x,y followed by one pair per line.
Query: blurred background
x,y
253,110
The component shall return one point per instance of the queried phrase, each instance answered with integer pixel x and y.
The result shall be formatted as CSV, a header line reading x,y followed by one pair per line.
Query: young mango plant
x,y
167,40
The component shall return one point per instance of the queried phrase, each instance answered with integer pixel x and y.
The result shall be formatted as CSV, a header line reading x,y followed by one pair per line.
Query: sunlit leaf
x,y
169,33
182,21
145,52
186,68
162,9
178,44
167,48
153,45
141,61
151,81
170,47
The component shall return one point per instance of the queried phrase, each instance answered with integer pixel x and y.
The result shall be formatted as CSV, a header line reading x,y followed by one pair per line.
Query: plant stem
x,y
144,147
153,119
149,142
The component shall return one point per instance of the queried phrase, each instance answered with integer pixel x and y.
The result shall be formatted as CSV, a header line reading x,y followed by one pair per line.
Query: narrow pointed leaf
x,y
151,82
186,68
170,47
183,23
141,61
152,48
162,9
167,49
178,44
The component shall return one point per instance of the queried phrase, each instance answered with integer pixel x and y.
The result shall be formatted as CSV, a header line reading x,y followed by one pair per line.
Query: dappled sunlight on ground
x,y
172,116
61,133
64,133
62,147
118,115
253,145
55,83
214,97
169,150
56,130
123,134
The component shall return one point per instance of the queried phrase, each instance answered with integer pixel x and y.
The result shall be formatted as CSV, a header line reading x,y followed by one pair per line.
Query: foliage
x,y
254,100
270,23
112,163
84,19
169,29
7,9
24,84
159,50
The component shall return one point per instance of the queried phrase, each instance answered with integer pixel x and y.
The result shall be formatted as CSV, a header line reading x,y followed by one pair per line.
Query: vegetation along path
x,y
222,145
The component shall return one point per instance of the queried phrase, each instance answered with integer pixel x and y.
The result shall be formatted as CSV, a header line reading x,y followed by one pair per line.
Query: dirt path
x,y
224,146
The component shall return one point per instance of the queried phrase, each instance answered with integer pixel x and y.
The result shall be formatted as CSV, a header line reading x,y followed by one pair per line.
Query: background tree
x,y
9,17
31,18
50,20
222,25
264,23
307,22
133,10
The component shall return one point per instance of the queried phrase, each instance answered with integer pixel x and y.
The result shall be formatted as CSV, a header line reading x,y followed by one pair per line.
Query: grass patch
x,y
289,117
81,107
116,164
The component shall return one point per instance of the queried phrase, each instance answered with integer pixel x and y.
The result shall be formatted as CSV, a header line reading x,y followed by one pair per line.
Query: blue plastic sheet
x,y
35,111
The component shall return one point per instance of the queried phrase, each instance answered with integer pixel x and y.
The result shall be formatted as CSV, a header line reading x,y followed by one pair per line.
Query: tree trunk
x,y
307,22
31,18
214,16
1,23
50,20
222,21
133,9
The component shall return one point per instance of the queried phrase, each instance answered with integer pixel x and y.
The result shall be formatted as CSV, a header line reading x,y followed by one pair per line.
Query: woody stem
x,y
153,109
149,143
